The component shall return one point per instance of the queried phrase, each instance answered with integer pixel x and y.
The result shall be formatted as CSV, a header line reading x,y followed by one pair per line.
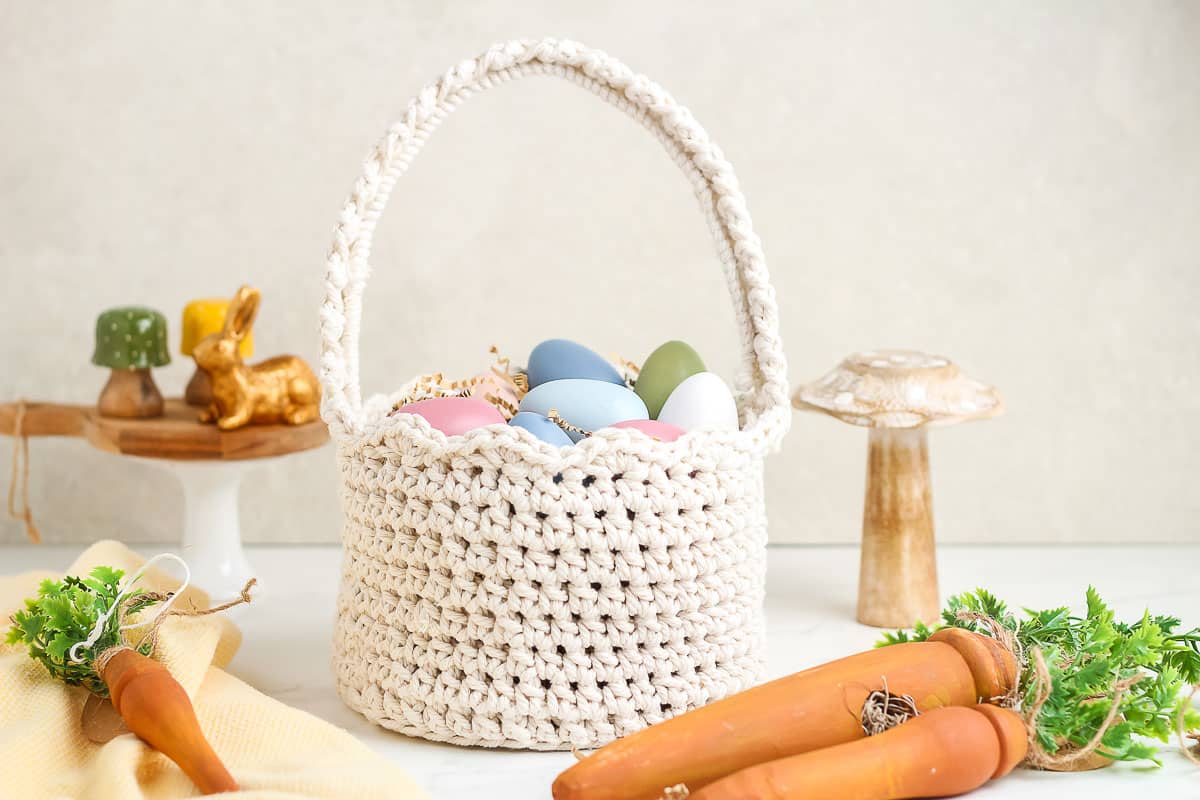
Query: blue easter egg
x,y
588,404
559,359
540,427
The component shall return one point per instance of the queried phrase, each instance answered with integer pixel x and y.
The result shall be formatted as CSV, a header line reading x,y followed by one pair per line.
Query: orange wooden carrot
x,y
944,752
994,666
806,711
1014,737
157,709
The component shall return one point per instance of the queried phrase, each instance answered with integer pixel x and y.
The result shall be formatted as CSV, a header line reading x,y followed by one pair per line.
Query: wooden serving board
x,y
177,434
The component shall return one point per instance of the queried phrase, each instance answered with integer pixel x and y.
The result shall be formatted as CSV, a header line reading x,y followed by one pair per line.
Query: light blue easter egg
x,y
540,427
701,401
587,404
560,359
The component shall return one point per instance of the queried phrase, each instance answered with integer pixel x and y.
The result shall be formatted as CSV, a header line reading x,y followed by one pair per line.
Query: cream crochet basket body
x,y
499,591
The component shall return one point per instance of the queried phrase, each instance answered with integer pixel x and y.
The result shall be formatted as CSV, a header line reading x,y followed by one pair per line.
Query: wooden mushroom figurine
x,y
897,394
130,341
203,318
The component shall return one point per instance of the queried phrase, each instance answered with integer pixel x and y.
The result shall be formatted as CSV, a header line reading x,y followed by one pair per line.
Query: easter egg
x,y
503,390
666,368
654,428
541,427
560,359
587,404
454,415
701,401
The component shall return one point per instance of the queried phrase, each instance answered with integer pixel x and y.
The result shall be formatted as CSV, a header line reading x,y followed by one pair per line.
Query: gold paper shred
x,y
506,409
628,369
518,384
434,385
504,369
428,387
554,417
503,363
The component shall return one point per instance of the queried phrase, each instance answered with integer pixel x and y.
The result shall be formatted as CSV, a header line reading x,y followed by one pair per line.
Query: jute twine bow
x,y
151,634
20,476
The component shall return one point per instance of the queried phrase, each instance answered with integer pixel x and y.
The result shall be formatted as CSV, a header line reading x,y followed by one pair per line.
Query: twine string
x,y
151,635
20,476
1192,752
122,594
883,710
156,622
1038,755
1009,641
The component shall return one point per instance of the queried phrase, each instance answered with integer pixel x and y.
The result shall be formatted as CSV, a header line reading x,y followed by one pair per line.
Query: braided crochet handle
x,y
761,383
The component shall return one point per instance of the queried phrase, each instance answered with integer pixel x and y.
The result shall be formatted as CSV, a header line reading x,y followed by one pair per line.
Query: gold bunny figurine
x,y
281,389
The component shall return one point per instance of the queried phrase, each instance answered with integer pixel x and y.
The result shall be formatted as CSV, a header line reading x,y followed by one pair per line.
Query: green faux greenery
x,y
64,613
1086,656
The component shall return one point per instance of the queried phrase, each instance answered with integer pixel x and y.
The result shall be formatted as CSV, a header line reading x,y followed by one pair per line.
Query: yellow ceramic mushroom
x,y
201,318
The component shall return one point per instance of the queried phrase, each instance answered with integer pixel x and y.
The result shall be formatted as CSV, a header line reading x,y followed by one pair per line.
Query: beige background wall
x,y
1016,185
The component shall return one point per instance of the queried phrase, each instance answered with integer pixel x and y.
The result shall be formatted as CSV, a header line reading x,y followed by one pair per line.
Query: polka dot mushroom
x,y
130,341
897,395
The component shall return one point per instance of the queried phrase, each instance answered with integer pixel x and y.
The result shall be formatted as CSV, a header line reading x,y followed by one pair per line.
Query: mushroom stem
x,y
199,389
897,582
130,393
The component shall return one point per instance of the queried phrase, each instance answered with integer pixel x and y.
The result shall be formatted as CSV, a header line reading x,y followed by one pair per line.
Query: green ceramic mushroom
x,y
129,341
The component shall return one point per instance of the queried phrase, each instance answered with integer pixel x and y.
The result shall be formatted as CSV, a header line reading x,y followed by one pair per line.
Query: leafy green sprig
x,y
64,613
1087,657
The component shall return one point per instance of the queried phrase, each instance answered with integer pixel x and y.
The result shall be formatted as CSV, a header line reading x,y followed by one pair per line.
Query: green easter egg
x,y
666,368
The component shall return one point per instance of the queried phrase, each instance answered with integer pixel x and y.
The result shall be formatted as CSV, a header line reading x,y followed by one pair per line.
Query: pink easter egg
x,y
663,431
454,415
493,384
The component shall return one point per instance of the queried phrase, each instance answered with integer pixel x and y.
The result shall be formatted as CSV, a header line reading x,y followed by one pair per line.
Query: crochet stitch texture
x,y
498,591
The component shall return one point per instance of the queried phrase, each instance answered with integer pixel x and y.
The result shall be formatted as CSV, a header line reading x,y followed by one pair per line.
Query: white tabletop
x,y
810,607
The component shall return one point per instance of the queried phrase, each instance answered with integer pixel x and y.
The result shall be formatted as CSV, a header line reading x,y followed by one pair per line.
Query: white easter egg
x,y
700,401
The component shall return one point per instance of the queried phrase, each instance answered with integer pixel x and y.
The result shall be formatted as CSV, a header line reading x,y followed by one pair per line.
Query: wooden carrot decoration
x,y
946,751
74,627
158,710
816,708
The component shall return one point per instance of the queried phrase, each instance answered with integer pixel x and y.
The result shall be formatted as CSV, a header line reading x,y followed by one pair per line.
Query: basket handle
x,y
761,383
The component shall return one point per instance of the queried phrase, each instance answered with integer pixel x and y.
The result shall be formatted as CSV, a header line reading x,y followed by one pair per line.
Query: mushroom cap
x,y
899,389
204,317
131,337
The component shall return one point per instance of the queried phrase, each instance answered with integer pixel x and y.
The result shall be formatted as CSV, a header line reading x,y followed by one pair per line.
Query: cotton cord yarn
x,y
498,591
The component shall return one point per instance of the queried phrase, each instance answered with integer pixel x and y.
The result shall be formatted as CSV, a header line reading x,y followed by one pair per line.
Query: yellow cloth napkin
x,y
273,751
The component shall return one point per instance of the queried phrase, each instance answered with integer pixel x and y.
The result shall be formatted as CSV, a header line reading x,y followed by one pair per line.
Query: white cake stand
x,y
208,462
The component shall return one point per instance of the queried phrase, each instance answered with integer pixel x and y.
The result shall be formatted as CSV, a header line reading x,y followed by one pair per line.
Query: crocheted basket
x,y
499,591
